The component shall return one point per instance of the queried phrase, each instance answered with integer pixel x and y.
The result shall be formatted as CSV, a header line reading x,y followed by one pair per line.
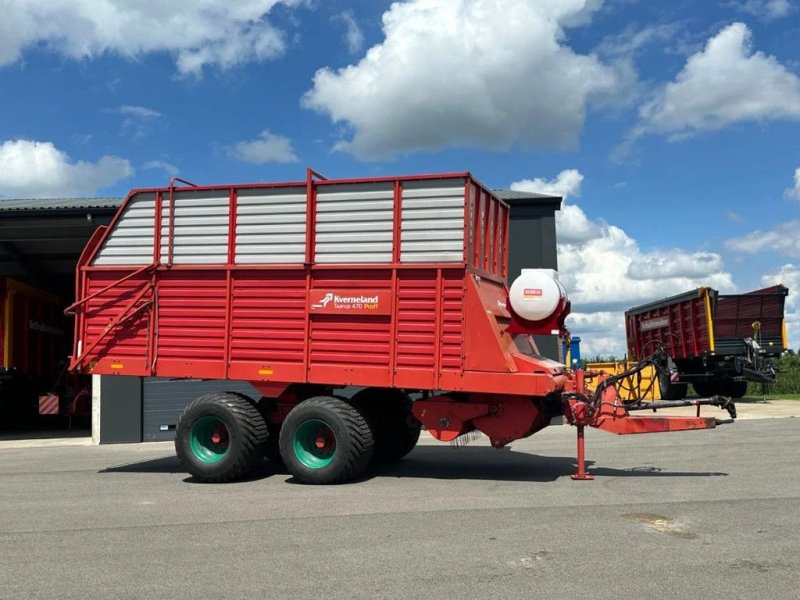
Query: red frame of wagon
x,y
485,247
489,259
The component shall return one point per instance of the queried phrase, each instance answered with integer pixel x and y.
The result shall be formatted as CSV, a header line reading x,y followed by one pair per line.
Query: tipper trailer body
x,y
717,342
32,346
395,285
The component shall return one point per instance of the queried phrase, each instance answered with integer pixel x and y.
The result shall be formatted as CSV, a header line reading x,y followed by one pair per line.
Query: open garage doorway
x,y
40,242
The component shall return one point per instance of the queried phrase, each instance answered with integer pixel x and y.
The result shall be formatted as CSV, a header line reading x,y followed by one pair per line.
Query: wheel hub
x,y
209,439
325,441
220,436
314,444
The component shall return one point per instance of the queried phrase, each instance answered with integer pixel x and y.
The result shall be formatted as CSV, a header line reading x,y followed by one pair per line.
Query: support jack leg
x,y
581,474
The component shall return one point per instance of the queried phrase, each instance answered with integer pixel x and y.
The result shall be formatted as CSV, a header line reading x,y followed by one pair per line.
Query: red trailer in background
x,y
717,342
32,347
395,285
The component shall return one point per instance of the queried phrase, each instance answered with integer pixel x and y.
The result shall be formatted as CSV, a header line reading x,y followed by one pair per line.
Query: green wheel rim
x,y
209,439
314,444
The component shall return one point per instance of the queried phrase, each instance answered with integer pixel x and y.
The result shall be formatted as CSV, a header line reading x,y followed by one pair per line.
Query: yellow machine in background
x,y
642,386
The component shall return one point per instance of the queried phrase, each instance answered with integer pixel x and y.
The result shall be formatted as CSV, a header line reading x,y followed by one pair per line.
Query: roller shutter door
x,y
163,401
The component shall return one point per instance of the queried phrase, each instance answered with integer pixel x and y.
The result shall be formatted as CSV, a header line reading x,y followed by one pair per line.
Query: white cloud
x,y
783,239
611,271
605,271
267,148
674,264
197,34
734,217
765,9
633,38
139,121
727,82
140,112
566,184
794,192
439,80
168,168
789,275
573,226
602,333
353,36
38,169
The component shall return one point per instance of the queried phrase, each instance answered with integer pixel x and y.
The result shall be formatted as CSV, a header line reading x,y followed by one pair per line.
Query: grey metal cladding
x,y
163,401
271,226
354,223
432,227
131,240
200,227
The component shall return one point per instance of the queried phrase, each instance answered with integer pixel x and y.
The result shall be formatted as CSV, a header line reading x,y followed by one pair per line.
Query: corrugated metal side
x,y
357,347
126,343
681,326
650,307
354,223
268,317
735,315
452,320
416,320
131,240
271,226
200,227
501,255
33,326
432,228
191,316
163,401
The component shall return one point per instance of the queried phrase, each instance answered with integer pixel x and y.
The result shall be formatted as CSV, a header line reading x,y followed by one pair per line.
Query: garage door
x,y
163,401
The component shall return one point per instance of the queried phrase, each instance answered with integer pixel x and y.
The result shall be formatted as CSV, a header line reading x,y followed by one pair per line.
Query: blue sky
x,y
671,128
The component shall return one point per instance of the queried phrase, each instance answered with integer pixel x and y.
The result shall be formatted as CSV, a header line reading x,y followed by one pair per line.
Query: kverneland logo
x,y
353,299
346,301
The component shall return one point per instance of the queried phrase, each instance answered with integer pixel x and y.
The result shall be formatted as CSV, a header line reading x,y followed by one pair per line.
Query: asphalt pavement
x,y
704,514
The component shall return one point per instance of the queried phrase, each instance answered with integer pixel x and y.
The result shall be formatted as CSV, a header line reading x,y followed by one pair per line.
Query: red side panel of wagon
x,y
683,324
392,282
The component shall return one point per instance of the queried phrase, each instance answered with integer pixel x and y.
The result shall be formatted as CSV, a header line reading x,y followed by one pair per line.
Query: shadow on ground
x,y
43,433
431,462
490,464
167,464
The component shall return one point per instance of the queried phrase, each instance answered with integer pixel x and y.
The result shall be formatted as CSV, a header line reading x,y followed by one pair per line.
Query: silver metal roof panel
x,y
49,204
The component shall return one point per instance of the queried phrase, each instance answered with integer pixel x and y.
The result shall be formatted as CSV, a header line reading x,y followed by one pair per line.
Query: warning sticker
x,y
532,293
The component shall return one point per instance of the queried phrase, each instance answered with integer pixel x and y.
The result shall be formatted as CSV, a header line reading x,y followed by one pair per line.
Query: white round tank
x,y
536,294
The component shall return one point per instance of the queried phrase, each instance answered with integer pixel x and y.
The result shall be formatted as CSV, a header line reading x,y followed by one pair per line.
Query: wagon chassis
x,y
300,288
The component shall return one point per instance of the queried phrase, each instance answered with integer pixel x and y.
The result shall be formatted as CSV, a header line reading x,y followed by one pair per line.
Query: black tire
x,y
353,442
234,414
705,389
733,388
395,428
669,390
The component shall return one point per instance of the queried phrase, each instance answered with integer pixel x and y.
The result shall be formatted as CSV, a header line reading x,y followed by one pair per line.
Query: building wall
x,y
532,239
